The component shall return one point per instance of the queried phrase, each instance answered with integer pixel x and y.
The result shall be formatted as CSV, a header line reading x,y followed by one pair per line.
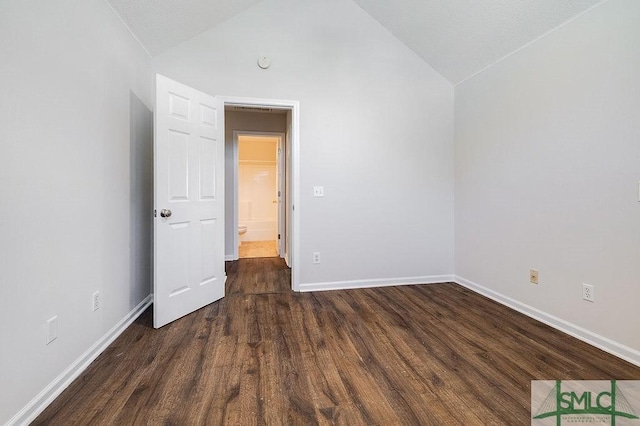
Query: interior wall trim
x,y
60,383
608,345
380,282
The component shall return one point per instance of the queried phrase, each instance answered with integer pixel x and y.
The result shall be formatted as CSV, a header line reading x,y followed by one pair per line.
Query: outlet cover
x,y
316,257
588,292
533,276
95,301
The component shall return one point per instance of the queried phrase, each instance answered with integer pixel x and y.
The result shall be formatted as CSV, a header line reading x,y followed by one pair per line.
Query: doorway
x,y
271,118
260,173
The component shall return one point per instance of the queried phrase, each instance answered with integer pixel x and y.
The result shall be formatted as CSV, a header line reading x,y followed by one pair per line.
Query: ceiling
x,y
162,24
458,38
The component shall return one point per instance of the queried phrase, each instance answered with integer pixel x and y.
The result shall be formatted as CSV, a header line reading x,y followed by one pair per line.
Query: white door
x,y
189,196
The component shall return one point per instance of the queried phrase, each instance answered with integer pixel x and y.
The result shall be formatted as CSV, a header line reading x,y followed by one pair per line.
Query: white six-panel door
x,y
189,196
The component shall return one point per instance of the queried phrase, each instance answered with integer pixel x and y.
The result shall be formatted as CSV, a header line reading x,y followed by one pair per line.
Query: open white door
x,y
189,201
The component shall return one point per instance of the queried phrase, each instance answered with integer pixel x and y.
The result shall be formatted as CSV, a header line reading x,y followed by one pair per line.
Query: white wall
x,y
75,108
376,130
547,172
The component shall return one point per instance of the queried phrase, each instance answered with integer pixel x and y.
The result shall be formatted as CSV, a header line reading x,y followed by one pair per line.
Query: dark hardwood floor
x,y
425,355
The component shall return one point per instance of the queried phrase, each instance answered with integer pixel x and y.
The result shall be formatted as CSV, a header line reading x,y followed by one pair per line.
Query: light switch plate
x,y
52,329
318,191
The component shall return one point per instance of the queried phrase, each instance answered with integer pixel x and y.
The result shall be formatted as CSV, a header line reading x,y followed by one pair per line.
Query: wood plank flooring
x,y
413,355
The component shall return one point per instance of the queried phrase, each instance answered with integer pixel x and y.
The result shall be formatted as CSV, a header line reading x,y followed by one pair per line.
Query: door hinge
x,y
278,193
278,236
155,213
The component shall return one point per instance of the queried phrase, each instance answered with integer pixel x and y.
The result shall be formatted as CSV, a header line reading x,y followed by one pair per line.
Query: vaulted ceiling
x,y
458,38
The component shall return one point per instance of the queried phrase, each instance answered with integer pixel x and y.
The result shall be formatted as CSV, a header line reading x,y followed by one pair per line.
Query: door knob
x,y
165,213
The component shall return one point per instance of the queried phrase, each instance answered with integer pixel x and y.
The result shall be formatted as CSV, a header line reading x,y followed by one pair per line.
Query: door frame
x,y
281,228
294,167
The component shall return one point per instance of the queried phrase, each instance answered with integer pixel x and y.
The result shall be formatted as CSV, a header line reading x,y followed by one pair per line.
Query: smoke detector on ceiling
x,y
264,62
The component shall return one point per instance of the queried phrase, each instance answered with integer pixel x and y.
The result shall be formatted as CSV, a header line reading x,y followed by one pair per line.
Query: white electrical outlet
x,y
52,329
533,276
588,292
318,191
96,301
316,257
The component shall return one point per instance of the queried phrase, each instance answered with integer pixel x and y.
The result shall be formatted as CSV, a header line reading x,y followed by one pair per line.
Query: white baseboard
x,y
60,383
601,342
230,257
383,282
